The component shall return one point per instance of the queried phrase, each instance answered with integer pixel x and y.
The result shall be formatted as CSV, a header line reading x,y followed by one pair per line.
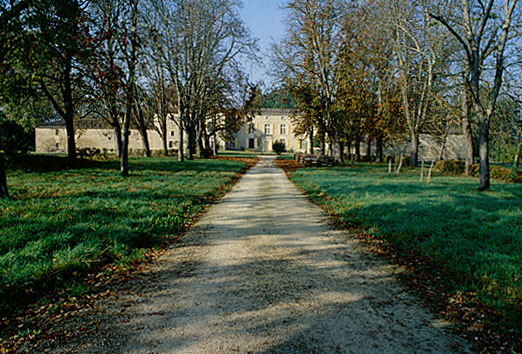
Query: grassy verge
x,y
65,223
471,242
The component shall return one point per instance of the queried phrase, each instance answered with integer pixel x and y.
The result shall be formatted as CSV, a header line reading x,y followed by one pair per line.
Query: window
x,y
251,143
172,133
283,141
283,129
251,129
171,144
57,145
267,129
57,132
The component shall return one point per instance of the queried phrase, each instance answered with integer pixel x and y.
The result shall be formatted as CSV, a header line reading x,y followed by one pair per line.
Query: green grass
x,y
286,156
474,238
71,221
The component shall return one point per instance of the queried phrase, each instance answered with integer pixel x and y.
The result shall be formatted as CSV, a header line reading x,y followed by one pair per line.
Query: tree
x,y
105,65
423,51
236,103
61,50
11,43
506,128
482,29
143,116
200,43
130,40
309,54
213,80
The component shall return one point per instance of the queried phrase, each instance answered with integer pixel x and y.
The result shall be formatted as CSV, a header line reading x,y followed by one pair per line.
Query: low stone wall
x,y
309,160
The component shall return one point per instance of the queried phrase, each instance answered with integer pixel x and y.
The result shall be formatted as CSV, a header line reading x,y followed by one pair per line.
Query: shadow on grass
x,y
474,238
72,220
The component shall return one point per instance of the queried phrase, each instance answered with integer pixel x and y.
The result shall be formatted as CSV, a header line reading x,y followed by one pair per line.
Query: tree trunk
x,y
368,149
518,151
414,149
323,145
380,150
358,149
484,182
311,140
443,143
71,141
117,136
335,143
201,144
141,123
216,146
124,165
131,63
69,112
209,151
191,148
145,141
337,151
164,137
4,192
181,157
466,129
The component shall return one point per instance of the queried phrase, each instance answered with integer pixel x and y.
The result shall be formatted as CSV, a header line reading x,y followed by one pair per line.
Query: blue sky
x,y
264,19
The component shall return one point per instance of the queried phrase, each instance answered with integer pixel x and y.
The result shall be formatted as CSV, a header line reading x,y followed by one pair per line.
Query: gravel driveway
x,y
262,272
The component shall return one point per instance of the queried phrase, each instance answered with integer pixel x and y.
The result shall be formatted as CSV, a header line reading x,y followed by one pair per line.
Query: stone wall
x,y
428,148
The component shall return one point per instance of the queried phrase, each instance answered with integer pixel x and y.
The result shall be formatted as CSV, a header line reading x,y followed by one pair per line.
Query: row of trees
x,y
129,63
380,70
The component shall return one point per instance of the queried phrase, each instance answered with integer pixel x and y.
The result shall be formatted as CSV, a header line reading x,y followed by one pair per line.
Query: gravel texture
x,y
262,272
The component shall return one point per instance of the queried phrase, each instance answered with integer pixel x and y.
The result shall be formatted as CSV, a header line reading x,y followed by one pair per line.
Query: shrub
x,y
498,173
92,153
13,138
278,147
451,167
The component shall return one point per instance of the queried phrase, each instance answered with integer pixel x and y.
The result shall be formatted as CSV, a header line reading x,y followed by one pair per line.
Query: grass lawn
x,y
63,223
474,239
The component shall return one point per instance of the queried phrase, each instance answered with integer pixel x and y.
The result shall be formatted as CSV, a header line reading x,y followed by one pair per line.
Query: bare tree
x,y
105,66
423,52
201,41
482,28
131,59
142,116
308,56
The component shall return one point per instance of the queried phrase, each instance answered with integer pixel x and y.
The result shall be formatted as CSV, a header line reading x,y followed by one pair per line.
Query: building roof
x,y
90,123
86,123
276,112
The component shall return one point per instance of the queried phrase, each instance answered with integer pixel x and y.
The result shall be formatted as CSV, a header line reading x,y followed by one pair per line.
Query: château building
x,y
267,127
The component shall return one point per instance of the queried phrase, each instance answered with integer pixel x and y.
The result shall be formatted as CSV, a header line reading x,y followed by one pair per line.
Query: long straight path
x,y
262,272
